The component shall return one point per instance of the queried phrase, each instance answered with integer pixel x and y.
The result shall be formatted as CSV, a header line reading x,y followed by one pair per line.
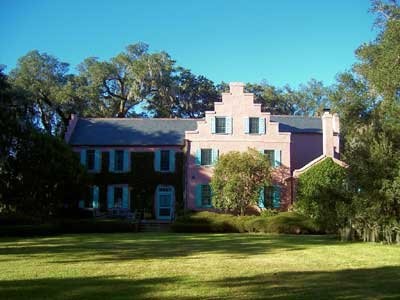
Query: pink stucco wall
x,y
238,105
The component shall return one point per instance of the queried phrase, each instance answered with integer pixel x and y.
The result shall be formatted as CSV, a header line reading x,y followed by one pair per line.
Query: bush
x,y
287,222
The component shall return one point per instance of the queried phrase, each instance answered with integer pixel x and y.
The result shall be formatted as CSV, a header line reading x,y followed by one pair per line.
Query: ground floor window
x,y
203,196
270,197
118,196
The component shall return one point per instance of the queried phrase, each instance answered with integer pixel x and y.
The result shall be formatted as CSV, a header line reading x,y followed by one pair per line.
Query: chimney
x,y
327,134
236,88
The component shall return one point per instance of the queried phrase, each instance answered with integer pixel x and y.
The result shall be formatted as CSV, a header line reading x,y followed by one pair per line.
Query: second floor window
x,y
90,159
254,125
164,160
220,125
119,160
206,157
270,154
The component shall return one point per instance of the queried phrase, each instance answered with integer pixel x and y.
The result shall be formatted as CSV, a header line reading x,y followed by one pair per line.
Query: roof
x,y
130,131
298,124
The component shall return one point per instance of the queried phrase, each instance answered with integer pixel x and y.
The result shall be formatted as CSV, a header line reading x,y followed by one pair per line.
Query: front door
x,y
165,203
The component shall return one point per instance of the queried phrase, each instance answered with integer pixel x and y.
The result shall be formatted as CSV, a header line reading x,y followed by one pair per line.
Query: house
x,y
161,166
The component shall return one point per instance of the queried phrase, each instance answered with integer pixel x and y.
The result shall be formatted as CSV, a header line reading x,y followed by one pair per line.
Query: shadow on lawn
x,y
116,247
378,283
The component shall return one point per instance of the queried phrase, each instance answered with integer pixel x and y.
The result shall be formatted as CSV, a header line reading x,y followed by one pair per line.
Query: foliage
x,y
287,222
238,178
321,193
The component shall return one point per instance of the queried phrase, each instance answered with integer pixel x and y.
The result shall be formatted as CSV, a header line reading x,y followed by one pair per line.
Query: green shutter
x,y
261,125
214,156
126,166
125,197
276,197
157,160
261,198
95,200
83,157
228,125
110,196
197,158
198,195
172,160
111,165
246,127
212,124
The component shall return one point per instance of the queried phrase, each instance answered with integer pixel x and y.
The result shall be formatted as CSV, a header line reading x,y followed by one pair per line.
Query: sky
x,y
280,41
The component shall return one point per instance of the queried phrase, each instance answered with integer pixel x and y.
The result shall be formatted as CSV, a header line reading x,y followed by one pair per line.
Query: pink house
x,y
158,166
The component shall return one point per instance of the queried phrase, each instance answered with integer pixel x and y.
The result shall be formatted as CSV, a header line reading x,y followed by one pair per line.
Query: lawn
x,y
187,266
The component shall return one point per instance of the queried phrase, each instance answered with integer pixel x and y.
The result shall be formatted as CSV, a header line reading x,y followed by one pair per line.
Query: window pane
x,y
165,200
118,197
206,157
253,125
220,125
271,156
164,163
119,160
268,196
205,195
90,159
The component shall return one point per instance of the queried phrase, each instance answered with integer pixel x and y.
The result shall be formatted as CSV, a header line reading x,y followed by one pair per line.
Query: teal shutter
x,y
214,156
276,197
157,160
97,160
172,160
126,161
83,157
246,122
125,197
277,158
228,125
261,125
212,124
81,204
95,200
112,161
261,198
110,196
198,195
197,158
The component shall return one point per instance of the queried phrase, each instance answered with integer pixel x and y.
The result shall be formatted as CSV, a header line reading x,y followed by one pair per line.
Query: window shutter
x,y
261,125
214,156
112,161
276,197
198,195
212,124
110,196
125,197
228,125
126,161
97,160
246,127
95,199
83,157
81,204
198,157
157,160
277,157
261,198
172,160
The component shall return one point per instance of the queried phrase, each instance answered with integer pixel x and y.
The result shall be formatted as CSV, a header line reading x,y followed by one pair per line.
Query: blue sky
x,y
283,42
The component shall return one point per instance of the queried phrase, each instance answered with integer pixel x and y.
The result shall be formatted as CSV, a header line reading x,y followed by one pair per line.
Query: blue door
x,y
165,203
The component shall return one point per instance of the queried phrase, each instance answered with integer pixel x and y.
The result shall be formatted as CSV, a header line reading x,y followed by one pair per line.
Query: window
x,y
270,154
268,196
220,125
118,197
164,160
254,125
206,157
205,195
119,160
90,159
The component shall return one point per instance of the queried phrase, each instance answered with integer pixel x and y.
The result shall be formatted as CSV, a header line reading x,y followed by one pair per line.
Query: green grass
x,y
187,266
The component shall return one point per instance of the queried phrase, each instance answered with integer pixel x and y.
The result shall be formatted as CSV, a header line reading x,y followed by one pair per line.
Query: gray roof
x,y
298,124
129,131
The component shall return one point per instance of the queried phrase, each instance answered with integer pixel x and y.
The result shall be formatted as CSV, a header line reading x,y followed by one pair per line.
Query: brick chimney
x,y
328,125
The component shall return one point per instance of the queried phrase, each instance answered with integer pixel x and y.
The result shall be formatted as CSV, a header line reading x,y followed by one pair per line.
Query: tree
x,y
238,178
